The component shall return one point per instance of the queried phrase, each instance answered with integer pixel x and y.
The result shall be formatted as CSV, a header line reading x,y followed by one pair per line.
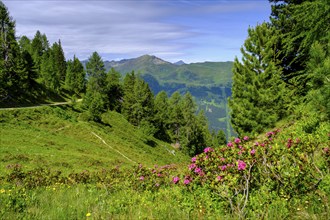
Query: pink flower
x,y
186,181
192,166
269,134
198,170
245,138
176,180
193,159
230,144
237,140
222,159
240,146
206,157
239,152
262,145
241,165
253,151
208,149
141,178
159,174
219,178
256,144
223,168
326,150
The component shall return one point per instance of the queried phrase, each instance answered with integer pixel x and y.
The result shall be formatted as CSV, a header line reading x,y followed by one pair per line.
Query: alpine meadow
x,y
144,138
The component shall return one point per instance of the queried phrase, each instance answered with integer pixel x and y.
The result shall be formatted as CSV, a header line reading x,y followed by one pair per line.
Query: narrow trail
x,y
41,105
113,148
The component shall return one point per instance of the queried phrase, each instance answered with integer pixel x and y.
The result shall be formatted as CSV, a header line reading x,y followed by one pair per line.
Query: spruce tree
x,y
114,90
161,118
9,52
59,61
39,46
129,96
95,100
176,118
258,92
75,76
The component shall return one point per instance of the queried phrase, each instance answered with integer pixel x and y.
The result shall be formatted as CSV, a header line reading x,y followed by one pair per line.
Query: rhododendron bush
x,y
284,165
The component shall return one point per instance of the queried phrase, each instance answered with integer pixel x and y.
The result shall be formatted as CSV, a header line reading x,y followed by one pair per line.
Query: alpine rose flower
x,y
186,181
230,144
237,140
241,165
246,138
219,178
193,159
208,149
176,180
253,151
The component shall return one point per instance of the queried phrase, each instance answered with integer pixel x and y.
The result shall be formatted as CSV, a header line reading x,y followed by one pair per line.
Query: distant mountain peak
x,y
151,58
179,63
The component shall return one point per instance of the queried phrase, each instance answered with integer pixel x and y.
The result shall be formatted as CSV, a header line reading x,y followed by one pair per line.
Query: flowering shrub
x,y
285,165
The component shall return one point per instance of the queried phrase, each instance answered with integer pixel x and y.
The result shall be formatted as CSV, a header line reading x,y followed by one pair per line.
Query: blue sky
x,y
192,31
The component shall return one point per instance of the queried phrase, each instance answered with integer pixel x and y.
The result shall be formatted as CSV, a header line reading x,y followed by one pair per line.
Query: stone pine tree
x,y
75,76
95,100
8,54
318,69
258,92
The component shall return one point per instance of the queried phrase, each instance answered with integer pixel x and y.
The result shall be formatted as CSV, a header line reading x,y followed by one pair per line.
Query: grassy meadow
x,y
55,165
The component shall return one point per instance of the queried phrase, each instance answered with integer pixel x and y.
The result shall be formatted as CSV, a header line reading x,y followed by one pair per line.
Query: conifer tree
x,y
114,90
129,97
95,99
75,76
258,92
318,69
299,25
59,61
161,118
9,52
39,46
175,117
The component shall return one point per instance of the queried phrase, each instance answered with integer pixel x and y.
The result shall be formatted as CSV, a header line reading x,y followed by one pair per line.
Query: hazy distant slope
x,y
207,73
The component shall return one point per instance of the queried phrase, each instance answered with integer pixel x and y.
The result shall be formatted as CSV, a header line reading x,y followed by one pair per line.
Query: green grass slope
x,y
56,137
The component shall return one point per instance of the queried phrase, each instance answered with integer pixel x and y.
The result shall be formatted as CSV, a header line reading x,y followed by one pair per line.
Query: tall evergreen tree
x,y
258,92
59,61
114,90
299,24
176,117
129,96
8,54
39,46
75,76
161,118
95,99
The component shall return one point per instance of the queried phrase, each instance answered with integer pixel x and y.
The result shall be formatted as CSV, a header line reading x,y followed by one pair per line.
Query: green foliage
x,y
258,93
114,90
75,76
300,24
95,99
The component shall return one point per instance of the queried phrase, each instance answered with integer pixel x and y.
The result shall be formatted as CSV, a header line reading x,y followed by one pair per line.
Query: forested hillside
x,y
209,83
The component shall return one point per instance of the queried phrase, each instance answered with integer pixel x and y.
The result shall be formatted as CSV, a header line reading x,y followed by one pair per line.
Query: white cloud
x,y
127,28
